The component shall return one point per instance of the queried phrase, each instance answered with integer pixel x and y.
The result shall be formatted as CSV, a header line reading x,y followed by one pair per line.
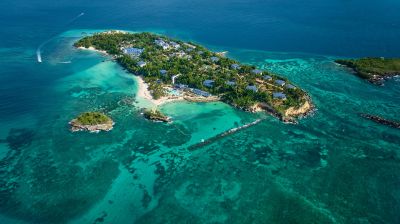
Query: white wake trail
x,y
39,49
39,56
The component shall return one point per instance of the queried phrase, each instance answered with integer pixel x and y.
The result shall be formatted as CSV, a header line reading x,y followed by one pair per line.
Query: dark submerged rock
x,y
383,121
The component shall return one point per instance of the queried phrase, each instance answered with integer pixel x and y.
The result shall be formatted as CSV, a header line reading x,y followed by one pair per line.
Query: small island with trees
x,y
92,122
375,70
174,69
156,115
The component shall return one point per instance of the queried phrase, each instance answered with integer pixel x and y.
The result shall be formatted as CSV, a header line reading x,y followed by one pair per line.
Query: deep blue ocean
x,y
332,167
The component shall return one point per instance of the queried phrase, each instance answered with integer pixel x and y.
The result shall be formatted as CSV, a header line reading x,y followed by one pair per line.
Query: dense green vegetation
x,y
156,89
194,64
155,115
92,118
373,69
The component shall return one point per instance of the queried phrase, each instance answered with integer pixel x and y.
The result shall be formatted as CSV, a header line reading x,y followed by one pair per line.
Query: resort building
x,y
279,95
179,54
132,51
181,86
200,92
208,83
235,66
163,72
290,86
256,72
267,77
175,45
230,83
214,59
162,44
280,82
252,88
141,64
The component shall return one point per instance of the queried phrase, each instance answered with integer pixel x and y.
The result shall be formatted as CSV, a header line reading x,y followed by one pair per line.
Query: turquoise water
x,y
174,92
333,167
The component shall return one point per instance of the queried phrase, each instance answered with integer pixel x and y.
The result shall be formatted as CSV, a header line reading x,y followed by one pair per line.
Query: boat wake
x,y
39,49
39,56
75,18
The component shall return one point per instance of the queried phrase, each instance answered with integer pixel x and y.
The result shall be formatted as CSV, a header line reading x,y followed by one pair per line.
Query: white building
x,y
162,44
141,64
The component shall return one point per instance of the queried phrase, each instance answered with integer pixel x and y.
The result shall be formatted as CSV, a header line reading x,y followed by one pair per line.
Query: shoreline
x,y
373,70
93,49
76,127
144,93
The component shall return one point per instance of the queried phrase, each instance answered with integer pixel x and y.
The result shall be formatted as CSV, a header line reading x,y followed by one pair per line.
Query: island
x,y
172,69
92,122
156,115
375,70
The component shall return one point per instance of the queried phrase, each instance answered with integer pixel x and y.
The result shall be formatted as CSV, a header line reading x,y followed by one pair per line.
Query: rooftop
x,y
267,77
175,45
256,71
235,66
290,86
252,88
214,59
141,63
179,54
181,86
280,82
162,43
230,83
208,82
201,92
279,95
133,51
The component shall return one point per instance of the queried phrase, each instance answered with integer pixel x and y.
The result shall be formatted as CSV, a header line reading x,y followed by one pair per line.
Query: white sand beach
x,y
144,96
144,93
93,49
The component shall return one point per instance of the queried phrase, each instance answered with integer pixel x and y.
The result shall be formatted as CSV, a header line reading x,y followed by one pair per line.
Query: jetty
x,y
380,120
223,134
